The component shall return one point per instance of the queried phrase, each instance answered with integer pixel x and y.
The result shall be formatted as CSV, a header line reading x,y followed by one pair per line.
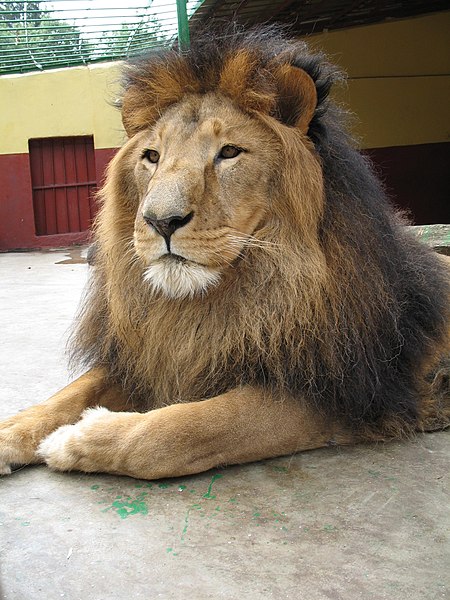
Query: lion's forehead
x,y
202,118
196,108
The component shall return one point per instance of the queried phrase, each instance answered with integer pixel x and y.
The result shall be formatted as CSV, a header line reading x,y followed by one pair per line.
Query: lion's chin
x,y
178,278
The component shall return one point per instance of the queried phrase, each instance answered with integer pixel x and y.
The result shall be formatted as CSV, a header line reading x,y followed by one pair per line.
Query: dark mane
x,y
382,313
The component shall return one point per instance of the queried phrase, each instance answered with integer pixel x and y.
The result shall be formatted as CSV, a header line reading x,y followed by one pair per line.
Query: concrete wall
x,y
398,79
59,103
398,87
63,102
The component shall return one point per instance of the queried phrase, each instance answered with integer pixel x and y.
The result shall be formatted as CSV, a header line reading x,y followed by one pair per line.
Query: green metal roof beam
x,y
183,26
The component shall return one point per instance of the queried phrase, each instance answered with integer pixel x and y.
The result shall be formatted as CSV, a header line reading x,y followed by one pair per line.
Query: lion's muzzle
x,y
166,227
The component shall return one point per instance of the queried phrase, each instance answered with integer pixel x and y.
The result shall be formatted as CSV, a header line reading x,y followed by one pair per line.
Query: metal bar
x,y
80,25
51,49
69,21
183,26
64,185
47,11
50,44
57,56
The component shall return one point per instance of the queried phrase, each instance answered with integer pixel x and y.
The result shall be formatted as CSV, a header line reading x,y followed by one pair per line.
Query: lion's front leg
x,y
240,426
21,434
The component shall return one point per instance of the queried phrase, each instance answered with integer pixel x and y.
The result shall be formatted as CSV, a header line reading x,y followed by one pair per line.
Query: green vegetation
x,y
32,39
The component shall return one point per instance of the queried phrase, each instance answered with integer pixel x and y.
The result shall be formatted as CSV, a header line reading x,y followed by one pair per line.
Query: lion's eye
x,y
229,151
151,155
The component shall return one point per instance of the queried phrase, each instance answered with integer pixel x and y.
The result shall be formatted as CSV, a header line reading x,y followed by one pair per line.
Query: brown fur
x,y
195,344
295,300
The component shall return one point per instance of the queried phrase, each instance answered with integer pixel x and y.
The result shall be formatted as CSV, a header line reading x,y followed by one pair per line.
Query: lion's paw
x,y
7,454
16,446
55,448
5,468
70,446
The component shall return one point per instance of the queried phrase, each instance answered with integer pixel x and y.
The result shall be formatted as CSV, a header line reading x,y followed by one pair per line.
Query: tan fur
x,y
179,330
20,435
215,237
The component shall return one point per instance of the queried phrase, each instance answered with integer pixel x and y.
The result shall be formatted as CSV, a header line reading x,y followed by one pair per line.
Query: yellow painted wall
x,y
398,79
63,102
398,88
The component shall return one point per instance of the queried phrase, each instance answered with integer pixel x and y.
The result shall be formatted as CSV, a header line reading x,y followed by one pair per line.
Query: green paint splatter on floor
x,y
373,473
128,507
280,469
181,488
163,486
94,487
186,519
208,494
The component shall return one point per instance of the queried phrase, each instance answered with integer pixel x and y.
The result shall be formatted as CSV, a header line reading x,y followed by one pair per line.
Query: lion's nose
x,y
166,227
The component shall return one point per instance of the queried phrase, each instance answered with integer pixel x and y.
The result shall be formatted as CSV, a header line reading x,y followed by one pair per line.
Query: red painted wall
x,y
417,179
17,228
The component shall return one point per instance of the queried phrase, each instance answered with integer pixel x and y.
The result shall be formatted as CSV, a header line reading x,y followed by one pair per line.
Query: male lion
x,y
253,293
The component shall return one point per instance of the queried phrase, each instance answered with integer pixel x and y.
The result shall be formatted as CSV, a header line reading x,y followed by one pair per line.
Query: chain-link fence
x,y
45,35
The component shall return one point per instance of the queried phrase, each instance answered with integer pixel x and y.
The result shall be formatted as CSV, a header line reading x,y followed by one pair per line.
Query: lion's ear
x,y
138,109
152,86
297,96
130,119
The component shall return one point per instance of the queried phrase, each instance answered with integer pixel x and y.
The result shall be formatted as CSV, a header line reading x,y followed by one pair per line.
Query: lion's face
x,y
204,173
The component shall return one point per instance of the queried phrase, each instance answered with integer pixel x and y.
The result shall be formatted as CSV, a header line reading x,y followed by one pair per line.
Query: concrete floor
x,y
367,523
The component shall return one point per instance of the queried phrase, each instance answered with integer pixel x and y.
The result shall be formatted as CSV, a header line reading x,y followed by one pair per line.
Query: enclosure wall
x,y
53,104
398,88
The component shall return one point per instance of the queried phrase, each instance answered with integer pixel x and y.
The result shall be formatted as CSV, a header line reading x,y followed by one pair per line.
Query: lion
x,y
253,293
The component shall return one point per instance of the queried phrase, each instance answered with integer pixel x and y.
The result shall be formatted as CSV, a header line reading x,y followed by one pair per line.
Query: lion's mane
x,y
346,315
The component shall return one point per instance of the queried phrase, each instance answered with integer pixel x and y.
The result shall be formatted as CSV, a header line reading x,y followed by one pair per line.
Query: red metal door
x,y
63,180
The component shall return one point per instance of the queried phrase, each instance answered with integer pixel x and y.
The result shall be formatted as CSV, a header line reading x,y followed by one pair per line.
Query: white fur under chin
x,y
178,279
